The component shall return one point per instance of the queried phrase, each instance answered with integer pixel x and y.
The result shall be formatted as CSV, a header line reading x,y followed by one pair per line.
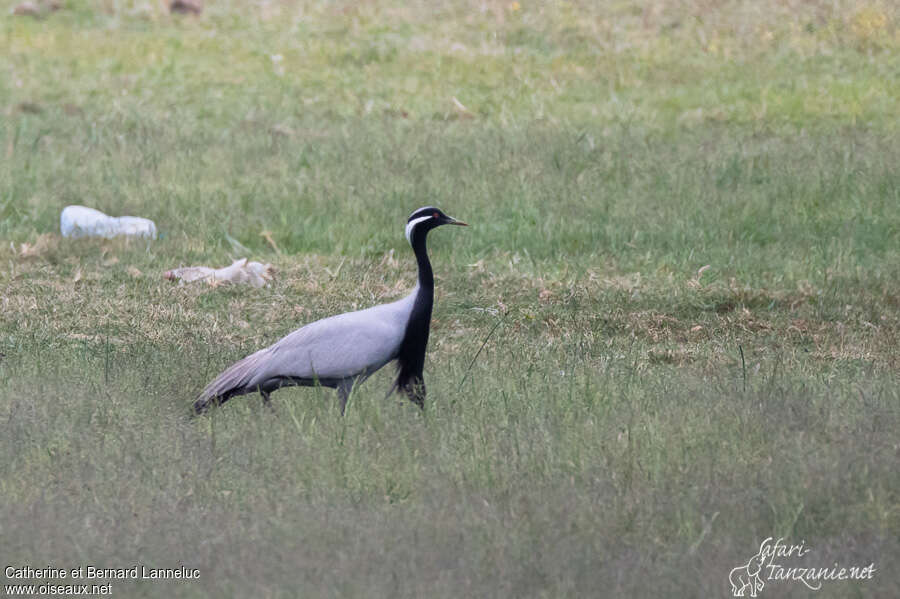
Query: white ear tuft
x,y
411,225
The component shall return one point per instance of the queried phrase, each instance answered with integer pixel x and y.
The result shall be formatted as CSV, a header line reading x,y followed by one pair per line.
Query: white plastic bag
x,y
81,221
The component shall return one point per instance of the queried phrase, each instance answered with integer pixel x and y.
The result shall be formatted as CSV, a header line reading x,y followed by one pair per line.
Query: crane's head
x,y
425,219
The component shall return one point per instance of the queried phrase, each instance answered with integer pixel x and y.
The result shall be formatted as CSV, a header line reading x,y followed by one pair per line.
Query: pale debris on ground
x,y
241,271
81,221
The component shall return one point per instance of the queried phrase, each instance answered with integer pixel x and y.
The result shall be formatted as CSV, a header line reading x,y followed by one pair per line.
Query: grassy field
x,y
685,230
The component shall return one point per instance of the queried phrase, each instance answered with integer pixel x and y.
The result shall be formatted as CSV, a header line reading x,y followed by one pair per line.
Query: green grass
x,y
608,440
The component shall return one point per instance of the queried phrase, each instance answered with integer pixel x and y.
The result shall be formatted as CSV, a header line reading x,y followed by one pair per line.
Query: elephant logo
x,y
747,577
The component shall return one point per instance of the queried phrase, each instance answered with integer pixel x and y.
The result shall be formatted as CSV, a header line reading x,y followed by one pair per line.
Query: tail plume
x,y
235,380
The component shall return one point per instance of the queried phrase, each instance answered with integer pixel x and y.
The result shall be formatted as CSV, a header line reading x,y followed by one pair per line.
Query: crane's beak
x,y
453,221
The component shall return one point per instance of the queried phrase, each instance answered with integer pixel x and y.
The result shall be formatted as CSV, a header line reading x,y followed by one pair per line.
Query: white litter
x,y
241,271
81,221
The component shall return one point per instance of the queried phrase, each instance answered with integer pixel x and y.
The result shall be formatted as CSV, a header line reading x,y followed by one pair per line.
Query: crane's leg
x,y
267,401
343,389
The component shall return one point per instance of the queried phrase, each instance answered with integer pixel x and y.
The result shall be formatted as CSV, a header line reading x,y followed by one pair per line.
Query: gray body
x,y
339,352
344,350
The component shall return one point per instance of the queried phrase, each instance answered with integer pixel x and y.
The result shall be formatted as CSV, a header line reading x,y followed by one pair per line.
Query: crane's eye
x,y
435,215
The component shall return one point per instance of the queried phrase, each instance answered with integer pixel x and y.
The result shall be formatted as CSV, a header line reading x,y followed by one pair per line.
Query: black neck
x,y
426,276
412,350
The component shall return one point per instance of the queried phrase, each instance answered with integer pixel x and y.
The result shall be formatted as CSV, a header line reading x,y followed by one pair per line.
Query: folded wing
x,y
332,349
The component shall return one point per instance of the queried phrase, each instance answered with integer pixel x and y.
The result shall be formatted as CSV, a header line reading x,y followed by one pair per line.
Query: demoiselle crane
x,y
344,350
